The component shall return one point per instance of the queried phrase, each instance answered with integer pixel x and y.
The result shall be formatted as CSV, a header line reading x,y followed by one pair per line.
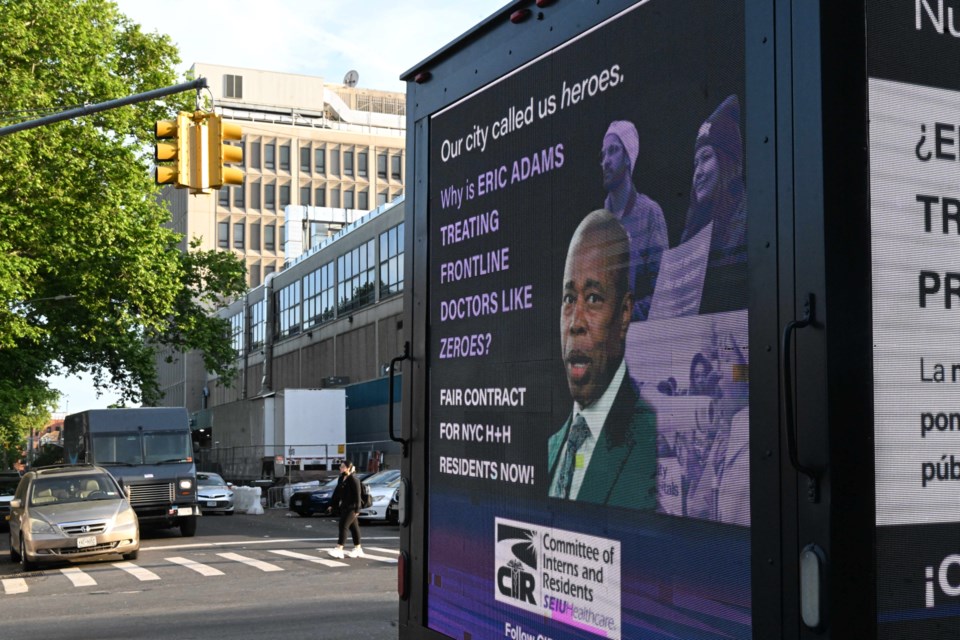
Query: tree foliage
x,y
92,276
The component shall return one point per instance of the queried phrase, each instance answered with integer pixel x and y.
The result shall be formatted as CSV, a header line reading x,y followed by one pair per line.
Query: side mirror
x,y
16,503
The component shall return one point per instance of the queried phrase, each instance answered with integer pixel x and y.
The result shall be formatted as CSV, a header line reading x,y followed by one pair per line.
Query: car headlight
x,y
186,483
41,527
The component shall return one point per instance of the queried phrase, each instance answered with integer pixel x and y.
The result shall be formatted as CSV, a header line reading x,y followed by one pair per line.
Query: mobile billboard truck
x,y
681,308
150,451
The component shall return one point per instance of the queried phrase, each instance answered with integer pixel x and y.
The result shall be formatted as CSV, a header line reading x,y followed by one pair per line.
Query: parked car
x,y
393,509
308,503
383,486
71,512
8,486
214,494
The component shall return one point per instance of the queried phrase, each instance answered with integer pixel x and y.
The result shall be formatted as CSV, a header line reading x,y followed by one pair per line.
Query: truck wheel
x,y
188,526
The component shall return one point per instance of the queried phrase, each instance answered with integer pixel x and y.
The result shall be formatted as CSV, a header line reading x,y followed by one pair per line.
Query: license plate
x,y
211,504
86,541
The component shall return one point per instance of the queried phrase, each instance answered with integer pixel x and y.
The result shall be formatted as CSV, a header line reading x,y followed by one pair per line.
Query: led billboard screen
x,y
588,371
914,109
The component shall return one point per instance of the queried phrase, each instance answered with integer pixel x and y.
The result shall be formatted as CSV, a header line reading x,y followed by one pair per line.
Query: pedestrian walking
x,y
347,497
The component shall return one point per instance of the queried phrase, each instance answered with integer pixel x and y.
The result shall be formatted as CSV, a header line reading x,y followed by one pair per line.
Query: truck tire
x,y
188,526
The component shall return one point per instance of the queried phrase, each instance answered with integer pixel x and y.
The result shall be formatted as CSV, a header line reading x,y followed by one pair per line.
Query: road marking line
x,y
139,573
214,545
14,585
309,558
374,557
382,550
258,564
200,568
78,577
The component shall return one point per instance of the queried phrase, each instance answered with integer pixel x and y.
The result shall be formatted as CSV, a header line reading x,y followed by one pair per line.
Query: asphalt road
x,y
241,577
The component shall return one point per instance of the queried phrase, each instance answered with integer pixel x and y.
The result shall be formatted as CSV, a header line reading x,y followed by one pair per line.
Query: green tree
x,y
92,277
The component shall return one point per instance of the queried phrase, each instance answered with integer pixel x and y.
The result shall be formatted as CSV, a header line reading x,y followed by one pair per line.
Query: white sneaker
x,y
356,552
336,553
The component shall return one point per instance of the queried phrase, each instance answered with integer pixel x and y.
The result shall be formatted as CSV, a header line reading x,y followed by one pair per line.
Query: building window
x,y
238,196
238,235
285,157
320,160
335,198
269,156
255,195
269,237
267,270
258,317
391,261
269,196
232,86
254,155
305,159
224,196
348,199
254,275
382,165
356,275
363,200
255,237
318,301
305,196
335,162
362,164
236,332
290,310
348,163
319,197
395,167
223,235
284,195
381,198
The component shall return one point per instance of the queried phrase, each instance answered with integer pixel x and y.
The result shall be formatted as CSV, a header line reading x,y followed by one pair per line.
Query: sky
x,y
380,39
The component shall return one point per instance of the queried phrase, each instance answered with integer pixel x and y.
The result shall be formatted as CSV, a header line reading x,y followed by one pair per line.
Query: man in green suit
x,y
605,452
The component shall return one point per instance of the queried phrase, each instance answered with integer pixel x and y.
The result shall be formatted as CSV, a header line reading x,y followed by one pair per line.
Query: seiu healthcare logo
x,y
516,563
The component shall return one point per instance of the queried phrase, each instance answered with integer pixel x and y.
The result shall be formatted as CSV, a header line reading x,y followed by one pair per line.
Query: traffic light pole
x,y
199,83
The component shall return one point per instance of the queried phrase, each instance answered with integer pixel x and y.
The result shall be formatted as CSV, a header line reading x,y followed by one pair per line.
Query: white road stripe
x,y
309,558
258,564
202,569
383,550
139,573
78,577
370,556
14,585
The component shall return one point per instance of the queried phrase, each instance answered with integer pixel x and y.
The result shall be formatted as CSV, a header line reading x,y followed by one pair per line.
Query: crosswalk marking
x,y
14,585
78,577
137,572
383,550
202,569
257,564
391,559
308,558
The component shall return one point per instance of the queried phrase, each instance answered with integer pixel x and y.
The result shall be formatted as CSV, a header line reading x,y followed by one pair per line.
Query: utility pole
x,y
199,83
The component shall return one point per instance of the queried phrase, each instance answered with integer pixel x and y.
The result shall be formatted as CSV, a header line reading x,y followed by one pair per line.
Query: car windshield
x,y
155,447
210,480
383,477
73,489
8,487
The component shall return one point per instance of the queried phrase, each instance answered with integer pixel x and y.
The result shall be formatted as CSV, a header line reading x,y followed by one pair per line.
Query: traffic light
x,y
220,154
183,132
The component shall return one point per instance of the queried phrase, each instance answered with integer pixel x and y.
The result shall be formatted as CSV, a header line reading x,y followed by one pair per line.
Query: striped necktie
x,y
578,434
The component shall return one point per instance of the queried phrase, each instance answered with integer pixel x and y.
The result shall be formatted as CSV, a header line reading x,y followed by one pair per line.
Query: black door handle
x,y
813,489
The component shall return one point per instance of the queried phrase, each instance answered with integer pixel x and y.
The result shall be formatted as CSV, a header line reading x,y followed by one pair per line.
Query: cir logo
x,y
517,563
947,587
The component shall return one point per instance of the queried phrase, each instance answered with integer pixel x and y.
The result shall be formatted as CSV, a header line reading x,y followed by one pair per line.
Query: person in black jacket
x,y
347,497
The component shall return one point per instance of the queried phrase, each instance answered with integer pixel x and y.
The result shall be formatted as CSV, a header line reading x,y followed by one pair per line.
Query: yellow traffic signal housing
x,y
221,154
183,132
